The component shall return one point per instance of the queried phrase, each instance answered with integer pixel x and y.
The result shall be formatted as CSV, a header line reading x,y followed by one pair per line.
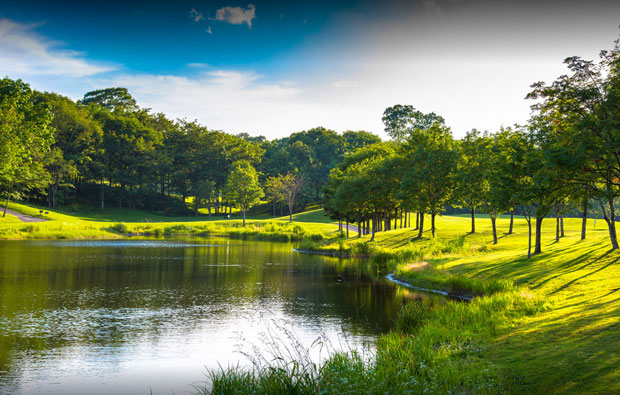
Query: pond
x,y
141,316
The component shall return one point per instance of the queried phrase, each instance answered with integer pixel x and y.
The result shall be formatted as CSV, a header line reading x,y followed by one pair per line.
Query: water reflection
x,y
139,315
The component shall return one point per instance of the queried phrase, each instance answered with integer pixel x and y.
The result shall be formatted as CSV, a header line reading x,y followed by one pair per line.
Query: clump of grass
x,y
178,229
119,228
281,364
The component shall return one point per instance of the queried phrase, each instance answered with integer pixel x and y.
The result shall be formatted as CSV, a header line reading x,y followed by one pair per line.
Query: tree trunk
x,y
401,219
360,228
196,206
557,228
339,226
512,221
494,225
290,211
473,219
6,205
120,200
420,226
538,246
130,203
102,193
55,193
433,224
347,224
584,219
374,226
274,207
243,213
562,225
417,220
611,223
529,238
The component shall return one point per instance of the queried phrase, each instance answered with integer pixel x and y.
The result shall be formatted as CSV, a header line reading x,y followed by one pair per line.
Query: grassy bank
x,y
546,324
112,224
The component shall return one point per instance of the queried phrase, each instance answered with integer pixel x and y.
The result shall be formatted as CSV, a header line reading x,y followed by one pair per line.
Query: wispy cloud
x,y
237,15
195,15
25,53
230,100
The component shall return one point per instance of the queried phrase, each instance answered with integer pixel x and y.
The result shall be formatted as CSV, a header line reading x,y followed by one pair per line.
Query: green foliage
x,y
242,187
119,228
25,139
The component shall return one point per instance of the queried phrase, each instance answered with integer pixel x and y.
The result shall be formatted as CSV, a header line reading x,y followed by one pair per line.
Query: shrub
x,y
119,228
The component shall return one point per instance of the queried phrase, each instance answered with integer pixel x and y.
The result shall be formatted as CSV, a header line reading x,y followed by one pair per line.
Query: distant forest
x,y
106,151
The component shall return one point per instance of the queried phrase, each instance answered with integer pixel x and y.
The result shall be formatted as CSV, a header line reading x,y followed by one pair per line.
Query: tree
x,y
274,191
578,116
400,120
25,139
472,172
242,187
76,136
289,186
429,176
113,99
505,163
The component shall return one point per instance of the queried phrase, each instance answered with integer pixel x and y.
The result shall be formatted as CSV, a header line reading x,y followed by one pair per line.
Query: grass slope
x,y
116,223
574,346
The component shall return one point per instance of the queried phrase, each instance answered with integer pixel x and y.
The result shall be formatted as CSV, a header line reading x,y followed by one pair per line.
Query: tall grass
x,y
433,348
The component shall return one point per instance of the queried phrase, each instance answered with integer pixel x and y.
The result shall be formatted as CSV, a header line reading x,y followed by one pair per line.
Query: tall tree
x,y
401,120
289,186
242,187
431,161
76,138
472,172
25,139
578,115
113,99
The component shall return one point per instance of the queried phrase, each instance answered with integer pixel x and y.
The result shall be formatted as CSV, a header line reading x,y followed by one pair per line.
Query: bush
x,y
119,228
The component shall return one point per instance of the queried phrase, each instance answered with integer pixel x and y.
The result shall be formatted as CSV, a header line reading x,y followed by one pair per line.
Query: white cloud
x,y
220,99
25,53
195,15
236,15
209,30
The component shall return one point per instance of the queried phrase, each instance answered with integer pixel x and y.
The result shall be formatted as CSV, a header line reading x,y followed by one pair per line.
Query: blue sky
x,y
277,67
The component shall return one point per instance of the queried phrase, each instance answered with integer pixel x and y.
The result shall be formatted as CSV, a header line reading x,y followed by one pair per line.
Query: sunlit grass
x,y
115,223
551,323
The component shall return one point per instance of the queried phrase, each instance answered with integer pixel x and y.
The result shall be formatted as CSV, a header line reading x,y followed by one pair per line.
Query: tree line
x,y
566,156
106,151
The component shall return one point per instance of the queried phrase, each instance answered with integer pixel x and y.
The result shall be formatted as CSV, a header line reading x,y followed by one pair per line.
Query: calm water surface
x,y
136,316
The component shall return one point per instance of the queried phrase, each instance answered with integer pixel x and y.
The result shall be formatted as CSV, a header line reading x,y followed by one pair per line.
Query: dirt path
x,y
22,217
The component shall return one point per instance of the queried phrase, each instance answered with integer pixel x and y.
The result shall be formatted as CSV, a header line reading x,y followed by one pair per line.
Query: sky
x,y
272,68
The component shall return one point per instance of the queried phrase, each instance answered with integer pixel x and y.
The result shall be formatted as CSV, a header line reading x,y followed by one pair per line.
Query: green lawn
x,y
105,224
575,345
